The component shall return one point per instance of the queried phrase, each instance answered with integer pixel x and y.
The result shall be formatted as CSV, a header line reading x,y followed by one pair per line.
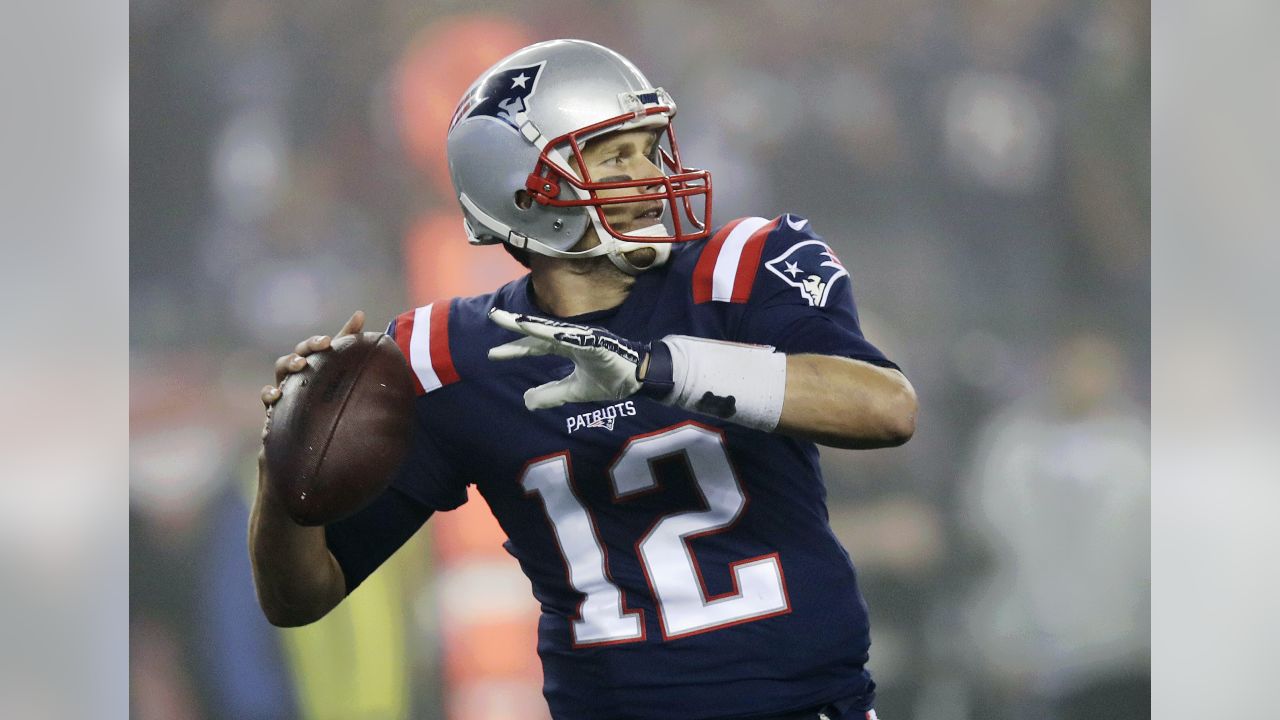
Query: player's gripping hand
x,y
606,367
296,361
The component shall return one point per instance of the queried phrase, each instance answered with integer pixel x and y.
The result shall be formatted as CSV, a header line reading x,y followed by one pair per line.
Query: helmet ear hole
x,y
523,199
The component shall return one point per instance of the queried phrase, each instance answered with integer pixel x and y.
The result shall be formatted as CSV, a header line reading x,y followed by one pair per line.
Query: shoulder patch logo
x,y
810,267
502,97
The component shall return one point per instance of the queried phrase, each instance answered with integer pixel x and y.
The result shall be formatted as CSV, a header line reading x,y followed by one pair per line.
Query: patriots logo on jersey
x,y
603,418
810,267
503,96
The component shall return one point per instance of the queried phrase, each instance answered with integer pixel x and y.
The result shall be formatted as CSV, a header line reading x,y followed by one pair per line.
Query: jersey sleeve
x,y
362,542
800,299
429,474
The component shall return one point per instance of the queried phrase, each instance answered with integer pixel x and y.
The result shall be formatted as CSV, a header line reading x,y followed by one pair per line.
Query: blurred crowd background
x,y
980,166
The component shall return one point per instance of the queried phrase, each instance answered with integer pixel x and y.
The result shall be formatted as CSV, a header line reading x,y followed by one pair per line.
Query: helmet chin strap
x,y
617,249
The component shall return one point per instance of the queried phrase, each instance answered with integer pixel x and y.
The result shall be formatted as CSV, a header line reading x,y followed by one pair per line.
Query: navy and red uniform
x,y
685,565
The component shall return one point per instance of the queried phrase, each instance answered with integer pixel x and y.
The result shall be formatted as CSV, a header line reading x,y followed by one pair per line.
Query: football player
x,y
639,411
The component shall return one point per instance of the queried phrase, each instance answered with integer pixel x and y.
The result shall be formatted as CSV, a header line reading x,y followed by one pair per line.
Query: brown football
x,y
340,429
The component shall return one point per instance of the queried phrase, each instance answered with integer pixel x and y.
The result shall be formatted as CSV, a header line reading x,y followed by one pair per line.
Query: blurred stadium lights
x,y
249,164
997,131
438,265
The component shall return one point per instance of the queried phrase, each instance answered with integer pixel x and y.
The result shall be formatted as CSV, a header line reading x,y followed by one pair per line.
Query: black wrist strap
x,y
659,377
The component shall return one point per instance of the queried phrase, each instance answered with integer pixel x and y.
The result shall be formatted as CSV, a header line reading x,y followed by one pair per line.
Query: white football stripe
x,y
730,255
420,349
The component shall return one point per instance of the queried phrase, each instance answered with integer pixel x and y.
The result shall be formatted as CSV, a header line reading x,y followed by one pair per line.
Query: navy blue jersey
x,y
685,565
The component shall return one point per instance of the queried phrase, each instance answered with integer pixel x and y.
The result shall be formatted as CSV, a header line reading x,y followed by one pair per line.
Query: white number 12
x,y
684,607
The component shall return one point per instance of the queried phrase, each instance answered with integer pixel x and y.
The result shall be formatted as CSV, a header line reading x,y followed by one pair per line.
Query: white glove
x,y
605,365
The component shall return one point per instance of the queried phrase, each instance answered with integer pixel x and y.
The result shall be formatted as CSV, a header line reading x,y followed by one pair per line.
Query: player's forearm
x,y
297,578
846,403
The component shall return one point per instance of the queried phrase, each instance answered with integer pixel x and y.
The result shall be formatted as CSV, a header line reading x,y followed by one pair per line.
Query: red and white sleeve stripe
x,y
423,337
727,267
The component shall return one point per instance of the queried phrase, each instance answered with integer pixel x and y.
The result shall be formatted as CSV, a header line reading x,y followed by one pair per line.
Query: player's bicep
x,y
363,541
820,335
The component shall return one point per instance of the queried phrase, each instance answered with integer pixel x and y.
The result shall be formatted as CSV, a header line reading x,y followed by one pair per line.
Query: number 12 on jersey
x,y
684,607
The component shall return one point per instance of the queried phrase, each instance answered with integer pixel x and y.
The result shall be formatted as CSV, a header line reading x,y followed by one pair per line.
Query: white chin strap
x,y
618,249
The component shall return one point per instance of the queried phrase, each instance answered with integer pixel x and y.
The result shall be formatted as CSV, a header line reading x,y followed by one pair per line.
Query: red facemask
x,y
680,186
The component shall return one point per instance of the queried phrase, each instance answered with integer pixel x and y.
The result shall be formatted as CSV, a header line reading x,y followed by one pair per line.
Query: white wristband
x,y
740,383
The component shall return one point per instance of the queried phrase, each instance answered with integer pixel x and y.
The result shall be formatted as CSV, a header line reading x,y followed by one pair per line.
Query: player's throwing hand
x,y
606,367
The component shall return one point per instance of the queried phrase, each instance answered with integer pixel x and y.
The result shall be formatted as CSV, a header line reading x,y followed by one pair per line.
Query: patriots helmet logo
x,y
811,267
502,96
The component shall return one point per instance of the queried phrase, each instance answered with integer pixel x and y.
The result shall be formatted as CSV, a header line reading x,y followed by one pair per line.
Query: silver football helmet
x,y
519,124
